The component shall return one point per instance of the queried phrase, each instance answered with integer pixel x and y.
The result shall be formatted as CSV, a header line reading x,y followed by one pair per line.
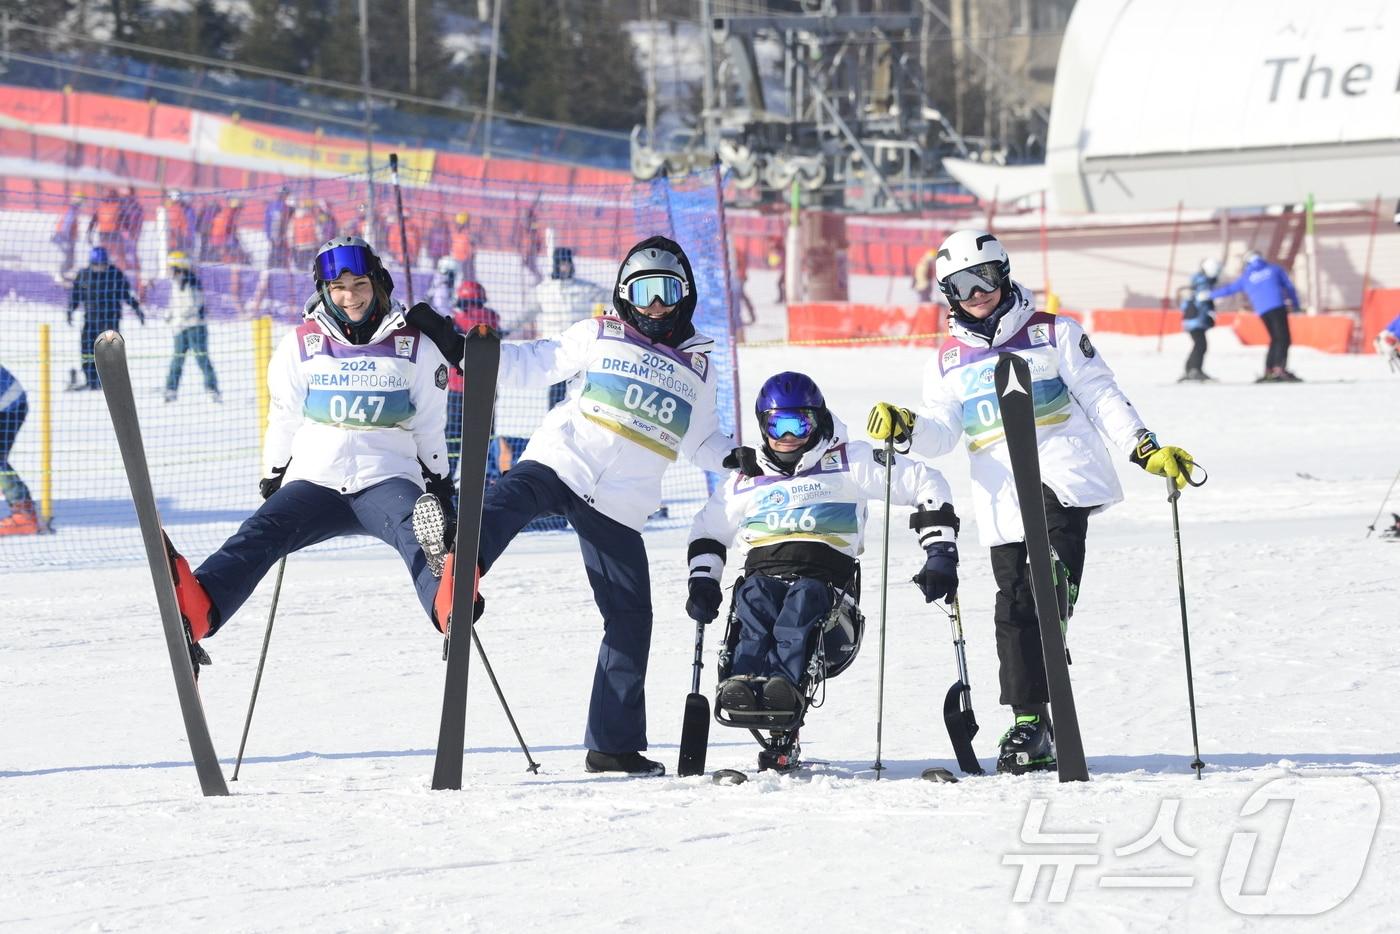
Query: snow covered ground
x,y
332,825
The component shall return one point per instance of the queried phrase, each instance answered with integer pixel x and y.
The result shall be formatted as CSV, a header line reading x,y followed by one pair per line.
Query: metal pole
x,y
708,87
369,122
884,614
403,228
491,77
1385,499
413,46
533,766
262,659
1173,494
1171,271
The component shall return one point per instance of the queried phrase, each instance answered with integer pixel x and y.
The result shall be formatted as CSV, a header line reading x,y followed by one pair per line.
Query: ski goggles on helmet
x,y
800,423
961,285
338,259
644,290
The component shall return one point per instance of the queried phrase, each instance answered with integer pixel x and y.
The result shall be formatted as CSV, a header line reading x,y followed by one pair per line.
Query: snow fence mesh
x,y
251,252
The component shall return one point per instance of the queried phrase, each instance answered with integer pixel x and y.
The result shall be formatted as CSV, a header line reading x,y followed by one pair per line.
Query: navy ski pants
x,y
776,622
301,514
615,558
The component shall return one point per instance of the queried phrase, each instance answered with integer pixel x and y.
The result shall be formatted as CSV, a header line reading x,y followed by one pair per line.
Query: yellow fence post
x,y
45,430
262,356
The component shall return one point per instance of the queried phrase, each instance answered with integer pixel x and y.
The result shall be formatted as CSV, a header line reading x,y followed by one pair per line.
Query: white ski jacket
x,y
186,304
347,416
1076,398
633,407
555,304
823,504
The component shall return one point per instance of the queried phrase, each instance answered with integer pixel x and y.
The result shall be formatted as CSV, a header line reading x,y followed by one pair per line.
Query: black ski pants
x,y
776,621
1022,666
1197,358
1276,322
615,558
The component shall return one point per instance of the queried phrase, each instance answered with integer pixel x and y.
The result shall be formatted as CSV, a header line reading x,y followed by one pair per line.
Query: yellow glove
x,y
1172,462
889,421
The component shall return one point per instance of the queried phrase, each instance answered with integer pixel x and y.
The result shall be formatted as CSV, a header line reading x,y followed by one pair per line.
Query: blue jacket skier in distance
x,y
801,516
1077,403
640,394
354,435
1271,294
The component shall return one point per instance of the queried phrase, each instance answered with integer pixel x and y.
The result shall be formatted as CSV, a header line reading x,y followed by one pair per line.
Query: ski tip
x,y
729,777
939,775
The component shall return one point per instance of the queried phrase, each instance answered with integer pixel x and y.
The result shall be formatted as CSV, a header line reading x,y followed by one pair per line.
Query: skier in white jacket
x,y
354,435
801,518
1076,399
186,314
641,394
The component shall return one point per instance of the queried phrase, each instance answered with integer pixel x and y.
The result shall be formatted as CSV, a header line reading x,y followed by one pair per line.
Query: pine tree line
x,y
565,60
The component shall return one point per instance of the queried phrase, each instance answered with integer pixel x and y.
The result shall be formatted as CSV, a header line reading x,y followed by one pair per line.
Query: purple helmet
x,y
791,404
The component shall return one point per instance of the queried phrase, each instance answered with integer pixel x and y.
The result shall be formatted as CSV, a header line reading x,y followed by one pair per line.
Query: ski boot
x,y
737,694
197,611
430,528
631,763
1027,747
781,697
22,520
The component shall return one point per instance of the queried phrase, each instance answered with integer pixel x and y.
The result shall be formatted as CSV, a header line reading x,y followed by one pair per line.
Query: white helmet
x,y
447,264
1211,267
968,261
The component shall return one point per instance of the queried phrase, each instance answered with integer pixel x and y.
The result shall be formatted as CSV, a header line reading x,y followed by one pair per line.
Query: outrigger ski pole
x,y
957,703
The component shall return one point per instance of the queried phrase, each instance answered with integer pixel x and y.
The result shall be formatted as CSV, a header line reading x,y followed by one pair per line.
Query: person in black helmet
x,y
354,436
640,395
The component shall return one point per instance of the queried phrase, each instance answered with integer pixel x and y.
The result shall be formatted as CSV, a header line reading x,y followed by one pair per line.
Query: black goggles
x,y
963,284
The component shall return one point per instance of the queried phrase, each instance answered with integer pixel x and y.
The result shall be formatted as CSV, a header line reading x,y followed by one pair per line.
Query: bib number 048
x,y
637,397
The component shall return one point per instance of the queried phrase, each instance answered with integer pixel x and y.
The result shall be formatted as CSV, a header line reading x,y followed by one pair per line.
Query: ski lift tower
x,y
853,128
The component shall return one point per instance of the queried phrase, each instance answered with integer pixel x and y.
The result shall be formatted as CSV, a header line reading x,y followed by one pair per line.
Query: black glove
x,y
439,330
442,488
705,598
271,484
744,460
938,578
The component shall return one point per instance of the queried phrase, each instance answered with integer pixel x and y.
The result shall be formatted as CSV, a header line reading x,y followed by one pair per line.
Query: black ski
x,y
958,716
480,364
110,356
695,727
1013,385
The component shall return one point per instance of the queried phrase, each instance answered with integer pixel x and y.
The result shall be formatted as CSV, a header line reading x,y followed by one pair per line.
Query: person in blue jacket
x,y
1270,293
101,289
1197,317
1388,343
14,406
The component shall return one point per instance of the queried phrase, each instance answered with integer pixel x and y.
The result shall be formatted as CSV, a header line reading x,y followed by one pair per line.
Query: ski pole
x,y
1372,527
403,228
262,659
1173,494
879,766
534,766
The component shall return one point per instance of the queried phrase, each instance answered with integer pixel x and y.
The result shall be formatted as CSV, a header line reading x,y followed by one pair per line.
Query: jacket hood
x,y
809,459
685,310
315,310
1022,307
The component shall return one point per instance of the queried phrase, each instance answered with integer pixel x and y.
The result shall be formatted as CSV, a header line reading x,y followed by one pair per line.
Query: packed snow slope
x,y
332,826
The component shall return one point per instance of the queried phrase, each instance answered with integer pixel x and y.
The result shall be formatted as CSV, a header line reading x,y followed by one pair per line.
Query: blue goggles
x,y
338,259
644,290
800,423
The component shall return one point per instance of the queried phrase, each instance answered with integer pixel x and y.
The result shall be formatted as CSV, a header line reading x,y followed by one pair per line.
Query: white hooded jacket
x,y
347,416
1076,398
632,408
